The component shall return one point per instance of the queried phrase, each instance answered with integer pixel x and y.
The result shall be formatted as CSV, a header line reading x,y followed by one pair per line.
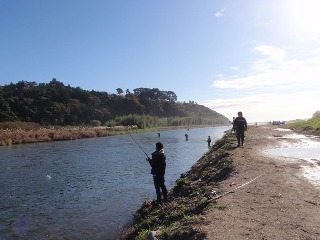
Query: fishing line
x,y
139,146
231,191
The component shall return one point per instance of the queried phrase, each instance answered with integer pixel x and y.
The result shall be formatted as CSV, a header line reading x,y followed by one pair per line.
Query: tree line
x,y
54,103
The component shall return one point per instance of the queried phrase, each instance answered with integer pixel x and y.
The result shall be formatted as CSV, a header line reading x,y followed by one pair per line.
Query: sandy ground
x,y
276,200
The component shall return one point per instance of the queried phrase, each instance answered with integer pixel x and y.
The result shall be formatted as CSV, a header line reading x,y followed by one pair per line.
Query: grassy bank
x,y
20,133
310,126
192,194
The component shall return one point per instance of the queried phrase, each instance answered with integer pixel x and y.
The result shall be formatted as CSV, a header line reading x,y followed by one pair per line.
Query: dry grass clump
x,y
29,132
18,136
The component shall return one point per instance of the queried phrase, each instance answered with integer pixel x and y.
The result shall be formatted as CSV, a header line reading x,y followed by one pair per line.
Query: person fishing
x,y
209,141
158,169
239,126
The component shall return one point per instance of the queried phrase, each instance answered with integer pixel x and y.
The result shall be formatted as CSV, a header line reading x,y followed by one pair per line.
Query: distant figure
x,y
186,135
158,134
234,130
158,169
239,126
209,141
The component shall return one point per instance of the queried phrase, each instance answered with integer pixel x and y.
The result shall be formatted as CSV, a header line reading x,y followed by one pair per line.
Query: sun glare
x,y
305,14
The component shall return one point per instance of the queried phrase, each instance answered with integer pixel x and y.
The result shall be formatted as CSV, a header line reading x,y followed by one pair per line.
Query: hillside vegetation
x,y
310,126
59,105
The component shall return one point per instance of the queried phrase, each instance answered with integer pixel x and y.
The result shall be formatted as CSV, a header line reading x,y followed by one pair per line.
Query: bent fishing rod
x,y
139,146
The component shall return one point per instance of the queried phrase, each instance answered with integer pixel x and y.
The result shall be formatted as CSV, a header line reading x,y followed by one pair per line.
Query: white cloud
x,y
290,88
234,68
219,13
268,107
272,52
276,72
220,75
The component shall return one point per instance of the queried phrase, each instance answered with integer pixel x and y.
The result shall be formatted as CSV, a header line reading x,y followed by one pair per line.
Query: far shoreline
x,y
49,134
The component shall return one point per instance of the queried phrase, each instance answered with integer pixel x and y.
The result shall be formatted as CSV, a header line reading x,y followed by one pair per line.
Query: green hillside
x,y
311,126
56,104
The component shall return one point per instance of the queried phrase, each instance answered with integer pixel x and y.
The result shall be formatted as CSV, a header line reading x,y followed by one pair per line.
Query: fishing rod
x,y
139,146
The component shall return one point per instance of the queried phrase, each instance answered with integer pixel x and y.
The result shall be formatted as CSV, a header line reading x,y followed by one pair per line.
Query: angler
x,y
158,169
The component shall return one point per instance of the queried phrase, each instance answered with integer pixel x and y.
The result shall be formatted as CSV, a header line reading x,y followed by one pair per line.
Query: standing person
x,y
158,134
234,131
239,126
209,141
158,169
186,135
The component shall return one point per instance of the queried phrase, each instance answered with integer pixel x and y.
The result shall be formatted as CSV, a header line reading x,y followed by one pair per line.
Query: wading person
x,y
209,141
239,126
158,169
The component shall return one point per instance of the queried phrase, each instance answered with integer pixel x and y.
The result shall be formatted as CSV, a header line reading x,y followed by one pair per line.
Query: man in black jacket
x,y
158,169
239,126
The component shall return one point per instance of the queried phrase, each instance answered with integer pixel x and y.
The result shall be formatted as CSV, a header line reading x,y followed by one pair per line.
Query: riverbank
x,y
236,193
41,134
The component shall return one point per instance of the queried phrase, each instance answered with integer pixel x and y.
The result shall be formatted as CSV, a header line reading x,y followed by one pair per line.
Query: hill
x,y
310,126
56,104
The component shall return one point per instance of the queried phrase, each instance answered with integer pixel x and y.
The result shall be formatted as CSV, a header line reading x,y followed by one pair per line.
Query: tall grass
x,y
311,125
148,121
19,125
17,136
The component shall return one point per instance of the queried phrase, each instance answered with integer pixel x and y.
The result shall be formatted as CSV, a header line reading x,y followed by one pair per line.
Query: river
x,y
87,188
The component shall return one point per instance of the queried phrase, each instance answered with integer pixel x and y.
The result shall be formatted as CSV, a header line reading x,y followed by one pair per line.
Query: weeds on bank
x,y
221,206
18,135
181,230
311,126
142,235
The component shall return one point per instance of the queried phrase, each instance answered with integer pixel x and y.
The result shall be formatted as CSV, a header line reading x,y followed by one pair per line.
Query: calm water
x,y
88,188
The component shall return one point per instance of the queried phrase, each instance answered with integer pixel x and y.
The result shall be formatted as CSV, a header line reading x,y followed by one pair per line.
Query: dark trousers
x,y
159,184
240,136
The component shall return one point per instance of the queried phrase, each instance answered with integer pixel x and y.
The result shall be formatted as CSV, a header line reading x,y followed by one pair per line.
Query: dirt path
x,y
280,204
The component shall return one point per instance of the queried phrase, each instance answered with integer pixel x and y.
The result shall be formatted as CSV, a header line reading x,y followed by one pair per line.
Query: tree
x,y
57,104
119,91
155,94
5,112
317,113
169,96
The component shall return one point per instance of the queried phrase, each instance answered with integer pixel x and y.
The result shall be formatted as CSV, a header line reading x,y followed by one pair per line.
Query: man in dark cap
x,y
158,169
239,126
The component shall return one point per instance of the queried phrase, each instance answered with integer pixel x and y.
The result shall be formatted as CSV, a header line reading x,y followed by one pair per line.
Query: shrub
x,y
95,123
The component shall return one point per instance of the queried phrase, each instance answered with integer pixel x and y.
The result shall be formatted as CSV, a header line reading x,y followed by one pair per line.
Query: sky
x,y
260,57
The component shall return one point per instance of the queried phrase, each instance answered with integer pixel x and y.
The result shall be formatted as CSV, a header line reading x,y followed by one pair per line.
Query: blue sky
x,y
260,57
